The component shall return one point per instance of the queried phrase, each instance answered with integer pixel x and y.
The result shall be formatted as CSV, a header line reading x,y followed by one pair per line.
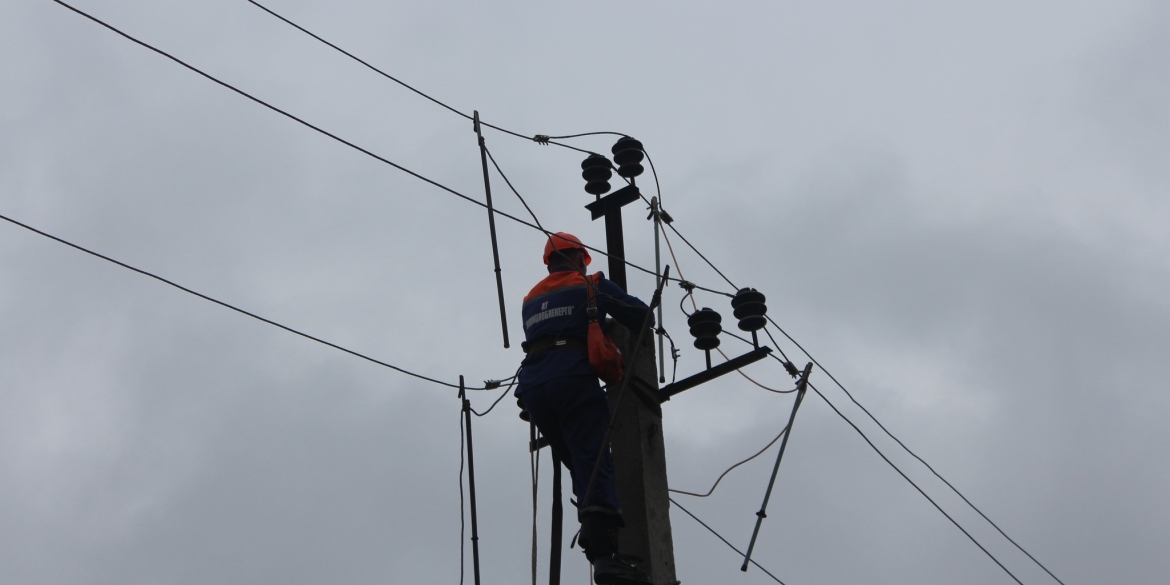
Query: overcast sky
x,y
961,209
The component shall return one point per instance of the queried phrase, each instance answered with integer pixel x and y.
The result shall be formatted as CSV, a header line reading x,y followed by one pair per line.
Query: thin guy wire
x,y
229,306
716,484
411,88
720,537
907,478
350,144
505,177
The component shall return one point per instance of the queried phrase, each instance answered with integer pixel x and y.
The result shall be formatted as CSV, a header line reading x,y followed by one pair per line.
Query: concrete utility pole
x,y
638,449
639,456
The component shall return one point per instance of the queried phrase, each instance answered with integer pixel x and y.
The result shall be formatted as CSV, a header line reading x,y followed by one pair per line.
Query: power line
x,y
540,139
505,177
720,537
229,306
846,391
912,453
907,478
348,143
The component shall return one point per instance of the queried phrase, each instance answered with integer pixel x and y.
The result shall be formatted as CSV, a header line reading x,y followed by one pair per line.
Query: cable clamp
x,y
791,369
492,384
541,139
687,285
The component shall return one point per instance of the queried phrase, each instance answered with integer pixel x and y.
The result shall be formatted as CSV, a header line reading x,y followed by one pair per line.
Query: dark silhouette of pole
x,y
487,187
471,479
801,387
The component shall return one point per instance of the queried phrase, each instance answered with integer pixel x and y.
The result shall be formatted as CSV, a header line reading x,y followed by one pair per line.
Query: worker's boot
x,y
599,528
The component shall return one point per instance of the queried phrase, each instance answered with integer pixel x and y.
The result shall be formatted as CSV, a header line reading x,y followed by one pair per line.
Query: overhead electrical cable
x,y
690,294
230,306
907,478
348,143
540,139
720,537
912,453
518,195
839,385
502,395
452,191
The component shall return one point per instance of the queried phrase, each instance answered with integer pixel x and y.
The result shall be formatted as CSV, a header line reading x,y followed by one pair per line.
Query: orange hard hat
x,y
564,241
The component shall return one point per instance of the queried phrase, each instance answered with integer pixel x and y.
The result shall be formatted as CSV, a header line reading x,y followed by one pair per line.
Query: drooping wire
x,y
518,195
230,306
728,470
540,139
907,478
586,134
720,537
348,143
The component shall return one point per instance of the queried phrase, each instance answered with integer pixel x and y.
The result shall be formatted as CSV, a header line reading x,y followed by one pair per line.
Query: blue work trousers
x,y
572,413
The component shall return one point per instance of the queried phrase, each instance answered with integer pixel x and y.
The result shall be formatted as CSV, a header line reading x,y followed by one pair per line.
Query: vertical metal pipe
x,y
487,187
801,387
657,281
471,480
558,516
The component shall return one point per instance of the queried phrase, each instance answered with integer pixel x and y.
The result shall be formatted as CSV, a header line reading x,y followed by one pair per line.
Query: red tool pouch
x,y
604,356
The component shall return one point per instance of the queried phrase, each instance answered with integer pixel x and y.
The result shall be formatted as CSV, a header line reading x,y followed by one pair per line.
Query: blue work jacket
x,y
556,308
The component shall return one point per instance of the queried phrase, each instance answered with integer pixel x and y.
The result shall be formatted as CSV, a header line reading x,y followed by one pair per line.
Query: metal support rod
x,y
615,244
801,387
471,480
658,278
487,187
708,354
558,517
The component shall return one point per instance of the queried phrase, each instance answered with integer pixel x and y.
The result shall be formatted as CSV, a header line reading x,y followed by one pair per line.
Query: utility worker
x,y
562,394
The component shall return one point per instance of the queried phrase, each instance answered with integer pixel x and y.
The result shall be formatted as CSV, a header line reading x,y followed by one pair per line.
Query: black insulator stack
x,y
595,171
704,325
628,155
749,308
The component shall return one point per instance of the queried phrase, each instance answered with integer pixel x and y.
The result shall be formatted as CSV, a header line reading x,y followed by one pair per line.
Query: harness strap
x,y
543,344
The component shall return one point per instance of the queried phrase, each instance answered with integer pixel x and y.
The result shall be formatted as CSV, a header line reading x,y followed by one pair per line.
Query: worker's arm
x,y
628,309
